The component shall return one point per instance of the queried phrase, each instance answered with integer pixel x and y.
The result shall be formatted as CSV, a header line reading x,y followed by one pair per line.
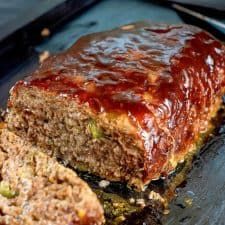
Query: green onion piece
x,y
6,191
95,131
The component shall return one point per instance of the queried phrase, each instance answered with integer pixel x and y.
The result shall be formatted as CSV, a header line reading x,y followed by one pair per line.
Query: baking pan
x,y
201,199
21,23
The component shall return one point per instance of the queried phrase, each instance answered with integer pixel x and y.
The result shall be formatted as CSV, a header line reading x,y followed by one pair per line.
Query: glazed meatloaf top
x,y
158,81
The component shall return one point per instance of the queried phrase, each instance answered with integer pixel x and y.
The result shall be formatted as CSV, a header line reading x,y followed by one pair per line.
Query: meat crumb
x,y
140,202
127,27
188,202
121,218
43,56
103,183
166,211
45,32
156,196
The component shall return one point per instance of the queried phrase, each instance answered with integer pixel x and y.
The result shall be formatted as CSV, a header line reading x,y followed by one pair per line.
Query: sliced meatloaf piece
x,y
127,104
37,190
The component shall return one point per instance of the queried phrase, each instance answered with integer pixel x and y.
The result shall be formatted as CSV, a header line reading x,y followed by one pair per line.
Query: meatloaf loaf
x,y
127,104
37,190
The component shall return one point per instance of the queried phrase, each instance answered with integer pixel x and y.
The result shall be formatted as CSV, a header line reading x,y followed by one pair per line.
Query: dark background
x,y
206,182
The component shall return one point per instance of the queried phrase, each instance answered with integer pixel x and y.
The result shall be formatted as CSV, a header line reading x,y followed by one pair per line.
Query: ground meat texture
x,y
127,104
37,190
72,140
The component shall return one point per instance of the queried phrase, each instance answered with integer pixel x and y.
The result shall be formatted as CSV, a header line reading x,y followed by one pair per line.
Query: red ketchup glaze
x,y
164,78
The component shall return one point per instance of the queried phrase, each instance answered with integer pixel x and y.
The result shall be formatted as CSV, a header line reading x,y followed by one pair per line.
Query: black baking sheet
x,y
214,4
21,23
206,182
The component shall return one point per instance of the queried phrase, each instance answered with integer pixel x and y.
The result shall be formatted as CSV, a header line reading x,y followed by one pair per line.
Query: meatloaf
x,y
37,190
127,104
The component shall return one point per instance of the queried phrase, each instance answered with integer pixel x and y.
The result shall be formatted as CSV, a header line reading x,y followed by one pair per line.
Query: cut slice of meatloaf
x,y
37,190
127,104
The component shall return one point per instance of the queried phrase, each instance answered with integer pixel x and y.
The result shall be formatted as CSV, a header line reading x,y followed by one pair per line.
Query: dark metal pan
x,y
205,185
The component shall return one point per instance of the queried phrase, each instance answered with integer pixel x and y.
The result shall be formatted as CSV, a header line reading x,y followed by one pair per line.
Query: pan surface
x,y
202,200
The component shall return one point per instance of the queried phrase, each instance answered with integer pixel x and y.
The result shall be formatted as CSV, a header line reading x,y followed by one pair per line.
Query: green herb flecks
x,y
6,191
95,130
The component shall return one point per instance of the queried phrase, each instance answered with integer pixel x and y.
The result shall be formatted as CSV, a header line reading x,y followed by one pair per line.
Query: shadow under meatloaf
x,y
127,104
35,189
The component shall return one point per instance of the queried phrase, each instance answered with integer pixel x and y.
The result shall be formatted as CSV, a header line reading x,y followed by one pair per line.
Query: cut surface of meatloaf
x,y
127,104
36,190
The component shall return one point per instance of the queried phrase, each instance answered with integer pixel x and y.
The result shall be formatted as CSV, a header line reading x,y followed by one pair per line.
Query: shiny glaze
x,y
164,78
